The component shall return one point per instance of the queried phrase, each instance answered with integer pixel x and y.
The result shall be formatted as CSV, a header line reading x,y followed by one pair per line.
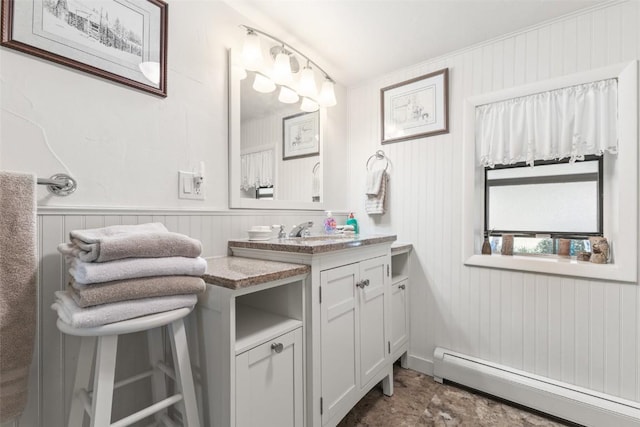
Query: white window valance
x,y
565,123
256,169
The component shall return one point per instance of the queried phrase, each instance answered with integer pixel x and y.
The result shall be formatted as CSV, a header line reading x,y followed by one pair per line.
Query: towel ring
x,y
315,168
379,155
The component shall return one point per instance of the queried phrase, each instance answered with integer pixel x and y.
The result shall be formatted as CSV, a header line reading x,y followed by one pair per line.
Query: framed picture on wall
x,y
121,40
415,108
301,136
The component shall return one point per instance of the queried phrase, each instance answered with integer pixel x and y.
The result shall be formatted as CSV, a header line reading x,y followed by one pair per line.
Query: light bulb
x,y
327,97
287,95
309,105
251,51
307,85
151,70
282,69
263,84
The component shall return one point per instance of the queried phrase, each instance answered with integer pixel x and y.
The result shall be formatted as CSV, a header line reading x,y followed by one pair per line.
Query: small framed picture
x,y
121,40
415,108
301,136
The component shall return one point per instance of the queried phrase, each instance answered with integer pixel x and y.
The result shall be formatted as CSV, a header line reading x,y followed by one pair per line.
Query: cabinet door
x,y
399,315
339,326
269,383
372,301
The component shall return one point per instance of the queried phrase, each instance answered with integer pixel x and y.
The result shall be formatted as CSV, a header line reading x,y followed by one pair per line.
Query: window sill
x,y
553,265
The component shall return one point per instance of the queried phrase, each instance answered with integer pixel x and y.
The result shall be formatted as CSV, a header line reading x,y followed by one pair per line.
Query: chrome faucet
x,y
301,230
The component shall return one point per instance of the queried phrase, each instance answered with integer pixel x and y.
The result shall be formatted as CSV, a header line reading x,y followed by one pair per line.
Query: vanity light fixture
x,y
288,96
263,84
308,105
252,51
282,72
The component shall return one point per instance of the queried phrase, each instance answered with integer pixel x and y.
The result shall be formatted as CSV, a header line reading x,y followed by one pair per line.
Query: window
x,y
540,205
616,215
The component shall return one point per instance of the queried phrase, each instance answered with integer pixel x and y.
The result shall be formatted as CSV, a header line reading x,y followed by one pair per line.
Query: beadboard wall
x,y
55,357
578,331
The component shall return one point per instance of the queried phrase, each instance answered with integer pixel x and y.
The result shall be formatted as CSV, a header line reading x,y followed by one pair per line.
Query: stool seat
x,y
128,326
100,343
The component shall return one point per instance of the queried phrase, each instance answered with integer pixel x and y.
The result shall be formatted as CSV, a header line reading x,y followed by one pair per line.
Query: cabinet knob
x,y
402,286
361,284
277,347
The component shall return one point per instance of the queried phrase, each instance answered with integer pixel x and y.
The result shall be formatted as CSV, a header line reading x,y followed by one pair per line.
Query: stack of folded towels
x,y
126,271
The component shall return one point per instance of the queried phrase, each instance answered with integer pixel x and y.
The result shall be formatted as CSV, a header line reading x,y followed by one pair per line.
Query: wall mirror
x,y
275,150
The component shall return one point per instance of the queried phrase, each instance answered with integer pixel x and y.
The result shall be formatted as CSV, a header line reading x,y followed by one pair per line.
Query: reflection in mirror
x,y
274,148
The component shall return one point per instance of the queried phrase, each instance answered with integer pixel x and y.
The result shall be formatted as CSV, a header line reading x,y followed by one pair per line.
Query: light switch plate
x,y
187,188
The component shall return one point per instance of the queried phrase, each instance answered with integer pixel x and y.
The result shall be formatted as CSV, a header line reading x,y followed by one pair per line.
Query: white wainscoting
x,y
582,332
54,362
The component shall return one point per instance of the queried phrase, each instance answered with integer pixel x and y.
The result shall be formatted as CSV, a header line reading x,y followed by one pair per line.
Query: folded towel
x,y
131,268
374,182
129,241
18,273
146,287
375,204
70,313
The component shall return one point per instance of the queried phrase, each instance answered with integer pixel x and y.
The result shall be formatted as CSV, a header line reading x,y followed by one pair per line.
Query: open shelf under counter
x,y
255,327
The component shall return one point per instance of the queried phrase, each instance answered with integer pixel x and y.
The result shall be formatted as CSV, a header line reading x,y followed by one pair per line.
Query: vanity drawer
x,y
269,386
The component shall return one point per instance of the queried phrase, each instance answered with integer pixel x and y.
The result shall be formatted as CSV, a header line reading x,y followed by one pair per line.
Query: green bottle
x,y
354,222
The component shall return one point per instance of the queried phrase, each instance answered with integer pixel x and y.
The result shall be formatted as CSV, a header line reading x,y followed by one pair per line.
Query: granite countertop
x,y
399,248
313,244
237,272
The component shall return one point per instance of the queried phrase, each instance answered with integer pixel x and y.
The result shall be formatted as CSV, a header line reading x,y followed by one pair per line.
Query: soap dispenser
x,y
329,223
353,222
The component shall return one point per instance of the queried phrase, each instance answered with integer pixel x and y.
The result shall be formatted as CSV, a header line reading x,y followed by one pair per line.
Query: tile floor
x,y
420,401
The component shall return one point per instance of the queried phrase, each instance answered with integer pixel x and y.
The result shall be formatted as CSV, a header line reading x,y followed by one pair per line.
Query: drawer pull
x,y
277,347
402,286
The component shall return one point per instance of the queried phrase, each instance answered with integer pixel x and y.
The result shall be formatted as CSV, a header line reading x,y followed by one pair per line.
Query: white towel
x,y
103,314
131,268
374,182
375,204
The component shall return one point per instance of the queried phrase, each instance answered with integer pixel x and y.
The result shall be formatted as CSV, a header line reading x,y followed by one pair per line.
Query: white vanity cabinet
x,y
348,318
249,361
400,255
354,342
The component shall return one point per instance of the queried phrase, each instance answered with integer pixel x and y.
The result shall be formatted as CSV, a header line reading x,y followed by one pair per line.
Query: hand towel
x,y
129,241
18,274
131,268
103,314
146,287
374,181
375,204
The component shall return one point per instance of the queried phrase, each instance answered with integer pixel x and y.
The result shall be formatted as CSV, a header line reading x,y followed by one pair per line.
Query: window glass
x,y
557,199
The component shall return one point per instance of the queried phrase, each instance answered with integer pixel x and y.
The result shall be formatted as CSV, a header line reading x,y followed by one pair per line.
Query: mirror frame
x,y
235,201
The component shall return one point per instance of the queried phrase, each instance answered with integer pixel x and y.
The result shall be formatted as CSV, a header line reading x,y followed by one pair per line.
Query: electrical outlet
x,y
188,188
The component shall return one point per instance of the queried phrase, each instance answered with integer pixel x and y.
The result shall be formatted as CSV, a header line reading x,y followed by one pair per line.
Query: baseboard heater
x,y
573,403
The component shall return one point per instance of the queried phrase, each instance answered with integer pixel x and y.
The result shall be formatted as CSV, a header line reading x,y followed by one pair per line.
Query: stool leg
x,y
184,378
81,381
103,381
158,379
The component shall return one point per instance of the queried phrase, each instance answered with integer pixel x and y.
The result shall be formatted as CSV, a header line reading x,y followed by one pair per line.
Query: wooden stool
x,y
97,403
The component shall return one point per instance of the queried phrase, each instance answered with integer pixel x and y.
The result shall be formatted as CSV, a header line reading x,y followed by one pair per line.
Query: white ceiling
x,y
356,40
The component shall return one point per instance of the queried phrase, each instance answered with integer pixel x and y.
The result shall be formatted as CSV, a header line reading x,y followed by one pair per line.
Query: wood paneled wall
x,y
579,331
55,357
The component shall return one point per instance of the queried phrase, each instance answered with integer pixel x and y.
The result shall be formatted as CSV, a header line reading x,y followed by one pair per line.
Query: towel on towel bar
x,y
145,287
18,274
151,240
131,268
375,203
70,313
374,182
